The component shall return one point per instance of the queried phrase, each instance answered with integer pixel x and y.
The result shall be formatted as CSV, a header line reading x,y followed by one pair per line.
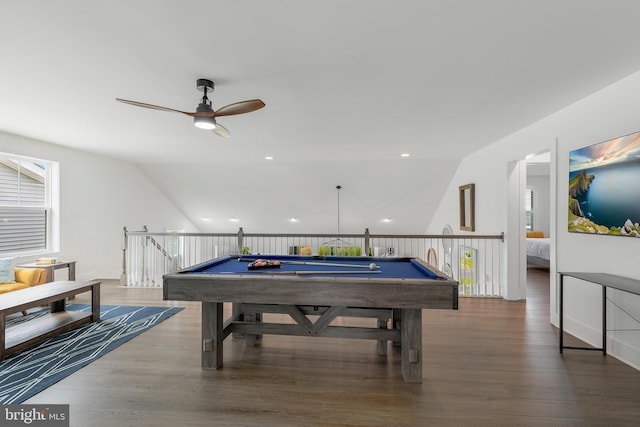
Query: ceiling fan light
x,y
204,122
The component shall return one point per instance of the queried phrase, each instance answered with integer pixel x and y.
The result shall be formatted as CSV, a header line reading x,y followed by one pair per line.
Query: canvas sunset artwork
x,y
604,187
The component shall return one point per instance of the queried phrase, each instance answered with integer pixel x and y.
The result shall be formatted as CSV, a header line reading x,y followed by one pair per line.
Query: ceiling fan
x,y
205,117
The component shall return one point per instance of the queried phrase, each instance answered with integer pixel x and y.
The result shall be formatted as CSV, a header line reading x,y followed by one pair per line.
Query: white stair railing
x,y
474,260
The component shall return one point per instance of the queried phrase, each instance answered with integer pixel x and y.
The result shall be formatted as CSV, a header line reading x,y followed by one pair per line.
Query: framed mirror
x,y
467,196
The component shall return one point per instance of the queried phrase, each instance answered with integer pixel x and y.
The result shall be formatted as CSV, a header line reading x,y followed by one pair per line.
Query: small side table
x,y
605,280
71,265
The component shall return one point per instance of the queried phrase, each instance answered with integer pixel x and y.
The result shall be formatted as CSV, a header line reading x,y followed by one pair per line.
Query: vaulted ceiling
x,y
349,86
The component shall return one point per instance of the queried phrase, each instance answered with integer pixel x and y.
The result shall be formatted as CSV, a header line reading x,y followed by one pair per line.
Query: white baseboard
x,y
621,350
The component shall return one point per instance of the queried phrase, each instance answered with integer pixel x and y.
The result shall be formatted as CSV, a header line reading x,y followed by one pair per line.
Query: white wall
x,y
606,114
99,196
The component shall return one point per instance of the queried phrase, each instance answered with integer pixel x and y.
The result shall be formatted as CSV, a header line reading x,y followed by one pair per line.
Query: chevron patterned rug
x,y
28,373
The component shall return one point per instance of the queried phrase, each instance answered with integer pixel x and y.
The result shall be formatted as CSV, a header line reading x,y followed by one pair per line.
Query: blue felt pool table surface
x,y
392,268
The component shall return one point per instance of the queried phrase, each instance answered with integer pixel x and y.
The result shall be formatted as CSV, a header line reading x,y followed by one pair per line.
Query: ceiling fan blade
x,y
153,107
221,131
240,107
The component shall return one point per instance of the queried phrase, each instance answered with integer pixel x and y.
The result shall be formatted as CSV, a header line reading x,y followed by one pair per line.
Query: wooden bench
x,y
26,334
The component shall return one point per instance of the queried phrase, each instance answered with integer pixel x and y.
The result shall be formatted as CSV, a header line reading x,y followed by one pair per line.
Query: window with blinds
x,y
528,208
24,204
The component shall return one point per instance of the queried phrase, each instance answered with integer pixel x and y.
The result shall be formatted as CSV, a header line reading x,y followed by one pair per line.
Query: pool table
x,y
394,290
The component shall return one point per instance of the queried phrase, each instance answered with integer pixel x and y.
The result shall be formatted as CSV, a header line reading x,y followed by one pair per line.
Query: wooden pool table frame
x,y
328,297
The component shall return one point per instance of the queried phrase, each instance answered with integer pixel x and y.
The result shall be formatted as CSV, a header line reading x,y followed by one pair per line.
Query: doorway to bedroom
x,y
537,212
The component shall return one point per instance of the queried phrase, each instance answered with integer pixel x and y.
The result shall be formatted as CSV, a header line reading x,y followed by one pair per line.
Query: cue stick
x,y
327,264
301,272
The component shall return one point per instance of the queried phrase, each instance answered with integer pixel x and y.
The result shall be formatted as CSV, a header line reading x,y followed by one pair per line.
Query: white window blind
x,y
24,205
528,207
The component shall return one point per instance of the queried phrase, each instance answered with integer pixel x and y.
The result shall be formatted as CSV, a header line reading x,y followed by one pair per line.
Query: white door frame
x,y
515,237
516,288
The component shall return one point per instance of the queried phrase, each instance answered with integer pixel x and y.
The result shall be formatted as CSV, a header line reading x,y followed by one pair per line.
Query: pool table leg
x,y
411,346
236,313
395,324
250,339
212,334
382,344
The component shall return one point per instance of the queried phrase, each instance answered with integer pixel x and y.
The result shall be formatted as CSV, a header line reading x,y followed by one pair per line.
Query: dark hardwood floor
x,y
492,363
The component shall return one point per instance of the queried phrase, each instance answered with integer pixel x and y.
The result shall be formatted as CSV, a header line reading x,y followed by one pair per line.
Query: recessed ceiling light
x,y
405,155
293,219
386,220
234,219
268,157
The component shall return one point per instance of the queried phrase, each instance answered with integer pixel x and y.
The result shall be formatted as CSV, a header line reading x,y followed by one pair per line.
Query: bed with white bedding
x,y
538,252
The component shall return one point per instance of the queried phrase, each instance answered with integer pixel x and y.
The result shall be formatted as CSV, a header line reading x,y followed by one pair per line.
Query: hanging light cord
x,y
338,187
